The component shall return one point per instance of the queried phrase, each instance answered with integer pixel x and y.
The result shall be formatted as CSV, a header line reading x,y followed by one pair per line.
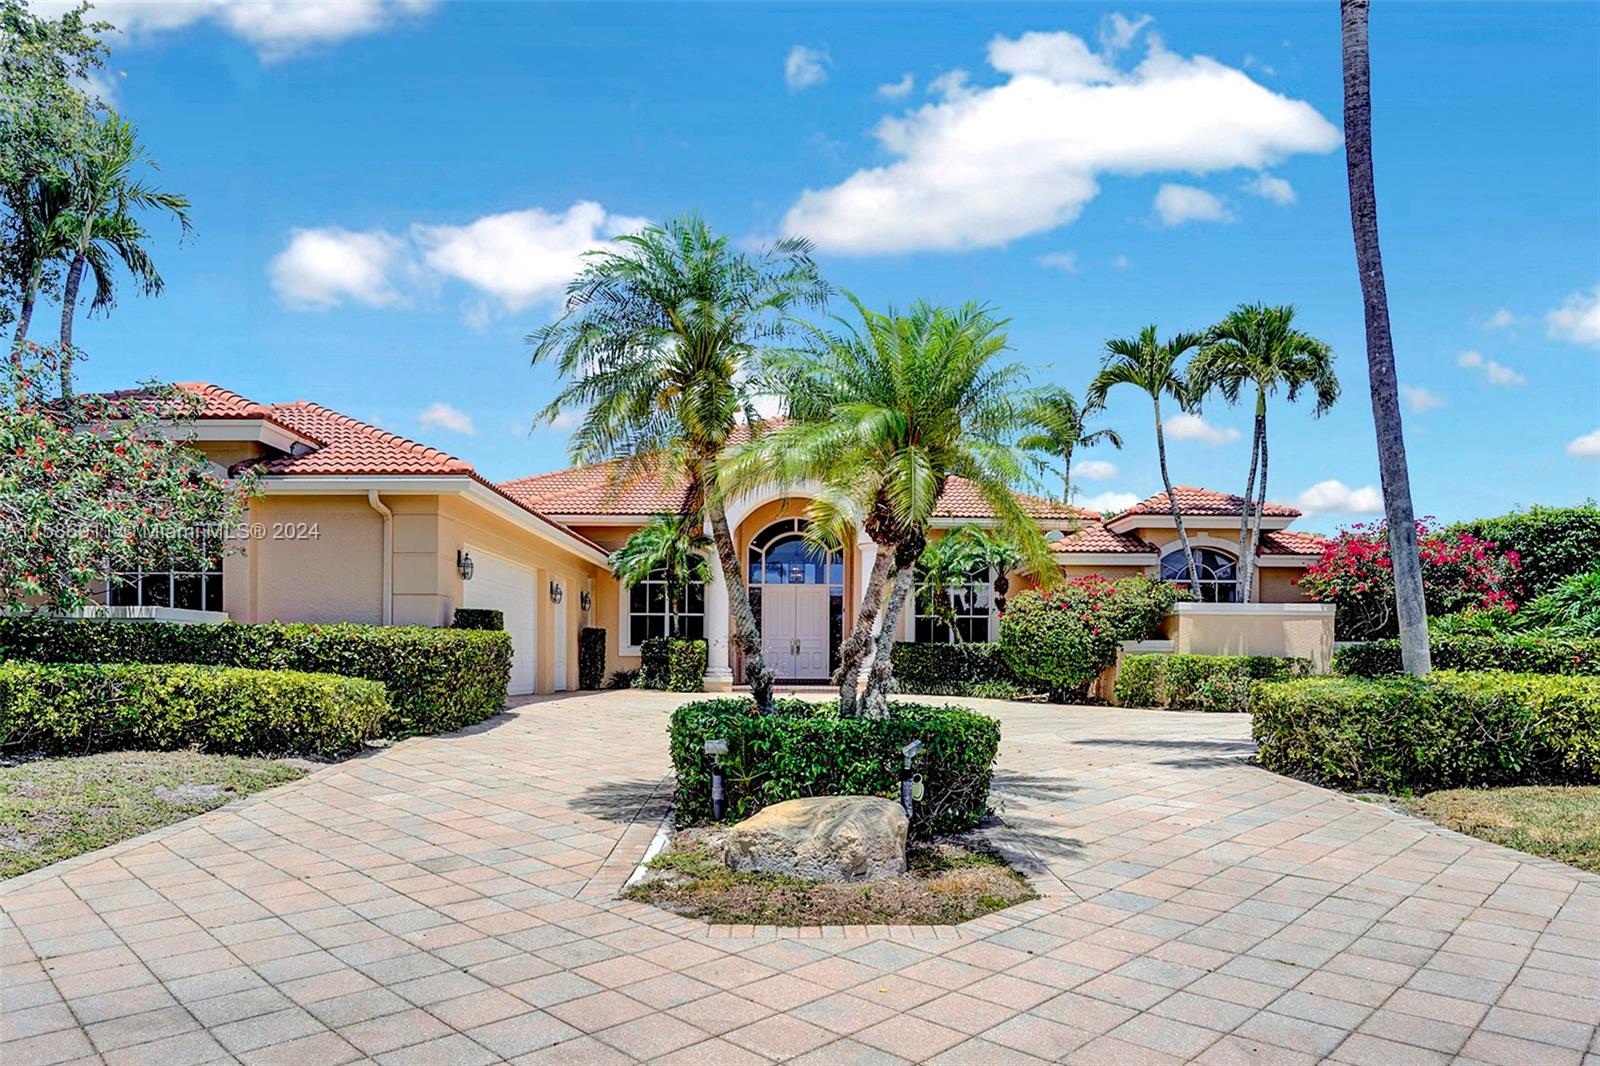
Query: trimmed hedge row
x,y
1200,682
76,709
929,669
1521,653
1445,730
675,664
478,618
591,657
438,679
806,749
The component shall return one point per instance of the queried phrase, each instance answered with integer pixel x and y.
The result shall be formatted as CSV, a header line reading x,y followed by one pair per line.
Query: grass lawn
x,y
1554,822
53,809
945,884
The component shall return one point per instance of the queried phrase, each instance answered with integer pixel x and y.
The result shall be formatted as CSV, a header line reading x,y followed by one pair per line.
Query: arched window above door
x,y
779,555
1218,572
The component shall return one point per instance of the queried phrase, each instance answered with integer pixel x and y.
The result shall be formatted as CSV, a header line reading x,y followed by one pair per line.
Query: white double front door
x,y
794,631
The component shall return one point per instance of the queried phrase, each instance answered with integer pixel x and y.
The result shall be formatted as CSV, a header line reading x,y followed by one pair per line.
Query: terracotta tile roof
x,y
592,490
1290,542
961,499
1093,536
1198,501
352,447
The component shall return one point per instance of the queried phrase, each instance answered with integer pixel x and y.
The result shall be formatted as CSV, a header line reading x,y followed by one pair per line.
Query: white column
x,y
719,671
867,554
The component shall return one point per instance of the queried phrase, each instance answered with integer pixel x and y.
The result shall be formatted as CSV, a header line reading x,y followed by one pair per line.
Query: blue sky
x,y
387,196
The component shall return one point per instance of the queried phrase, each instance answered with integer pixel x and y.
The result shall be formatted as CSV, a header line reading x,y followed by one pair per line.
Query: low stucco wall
x,y
1302,630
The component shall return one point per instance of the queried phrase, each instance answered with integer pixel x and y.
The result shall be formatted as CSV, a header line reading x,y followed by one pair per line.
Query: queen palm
x,y
1060,430
882,415
1151,365
671,548
659,347
1257,346
1411,607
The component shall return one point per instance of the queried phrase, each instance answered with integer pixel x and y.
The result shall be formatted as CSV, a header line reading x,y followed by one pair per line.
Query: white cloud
x,y
805,67
568,419
951,85
1335,497
1493,372
1094,470
1177,204
1185,426
1420,399
520,257
320,268
443,416
1108,502
1501,319
1270,187
1121,262
1117,30
1585,447
276,28
1577,319
898,90
980,166
1066,262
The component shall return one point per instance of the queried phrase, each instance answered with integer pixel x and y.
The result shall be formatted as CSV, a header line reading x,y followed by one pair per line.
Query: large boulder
x,y
825,838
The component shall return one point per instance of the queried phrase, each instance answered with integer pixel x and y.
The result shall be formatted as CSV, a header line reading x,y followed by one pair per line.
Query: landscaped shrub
x,y
76,709
806,749
1530,653
438,679
1459,572
686,665
653,663
1059,641
929,669
479,618
1552,542
1445,730
1570,609
1200,682
591,657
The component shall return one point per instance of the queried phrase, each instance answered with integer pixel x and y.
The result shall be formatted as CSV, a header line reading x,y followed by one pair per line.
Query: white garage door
x,y
500,585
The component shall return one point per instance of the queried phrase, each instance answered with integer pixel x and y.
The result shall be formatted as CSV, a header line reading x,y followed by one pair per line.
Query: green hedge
x,y
438,679
1200,682
1058,642
1520,653
479,618
591,657
806,749
1445,730
1552,543
930,669
79,708
675,664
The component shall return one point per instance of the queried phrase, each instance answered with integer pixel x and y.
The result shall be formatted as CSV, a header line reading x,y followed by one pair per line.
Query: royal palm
x,y
1060,430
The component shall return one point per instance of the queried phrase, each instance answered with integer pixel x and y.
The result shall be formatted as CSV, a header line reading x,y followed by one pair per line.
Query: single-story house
x,y
358,524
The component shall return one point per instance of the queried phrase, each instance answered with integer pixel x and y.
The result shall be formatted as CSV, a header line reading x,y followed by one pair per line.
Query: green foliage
x,y
591,657
623,679
653,662
478,618
954,670
438,679
669,548
686,665
806,749
74,709
1531,653
1200,682
1060,641
1444,730
1571,609
1552,543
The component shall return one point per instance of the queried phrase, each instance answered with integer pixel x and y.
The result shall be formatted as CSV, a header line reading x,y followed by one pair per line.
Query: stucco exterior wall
x,y
1300,630
1276,584
309,559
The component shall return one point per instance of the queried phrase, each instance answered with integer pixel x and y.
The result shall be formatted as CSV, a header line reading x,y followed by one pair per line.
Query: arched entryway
x,y
797,591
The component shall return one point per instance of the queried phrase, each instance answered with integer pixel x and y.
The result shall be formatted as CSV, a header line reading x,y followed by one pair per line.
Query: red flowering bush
x,y
101,483
1459,572
1060,640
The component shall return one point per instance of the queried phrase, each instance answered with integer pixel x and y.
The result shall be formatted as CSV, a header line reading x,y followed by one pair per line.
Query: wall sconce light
x,y
584,602
555,592
463,564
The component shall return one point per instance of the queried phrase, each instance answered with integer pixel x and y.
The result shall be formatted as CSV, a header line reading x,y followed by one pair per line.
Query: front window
x,y
190,590
969,604
1219,575
647,610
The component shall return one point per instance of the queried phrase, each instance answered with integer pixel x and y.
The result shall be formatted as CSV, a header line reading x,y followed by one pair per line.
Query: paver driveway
x,y
451,900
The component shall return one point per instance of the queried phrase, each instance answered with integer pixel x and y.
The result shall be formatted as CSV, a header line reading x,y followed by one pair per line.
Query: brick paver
x,y
452,900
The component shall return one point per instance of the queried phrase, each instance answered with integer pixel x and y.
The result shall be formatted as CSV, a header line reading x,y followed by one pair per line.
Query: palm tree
x,y
1152,366
983,550
671,547
1258,345
882,415
1396,478
659,345
1061,430
97,222
943,565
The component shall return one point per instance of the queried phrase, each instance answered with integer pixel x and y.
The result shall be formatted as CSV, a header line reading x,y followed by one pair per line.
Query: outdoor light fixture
x,y
717,749
584,601
463,564
910,784
555,592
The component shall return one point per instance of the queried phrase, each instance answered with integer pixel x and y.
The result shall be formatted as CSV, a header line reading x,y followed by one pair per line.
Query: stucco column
x,y
868,555
719,671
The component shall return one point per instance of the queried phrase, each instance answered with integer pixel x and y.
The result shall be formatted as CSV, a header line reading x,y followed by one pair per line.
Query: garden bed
x,y
950,880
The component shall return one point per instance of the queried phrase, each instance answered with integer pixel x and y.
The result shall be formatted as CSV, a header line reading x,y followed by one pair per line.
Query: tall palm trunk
x,y
1396,478
853,652
1246,552
875,701
746,635
1255,520
69,307
1066,476
1177,515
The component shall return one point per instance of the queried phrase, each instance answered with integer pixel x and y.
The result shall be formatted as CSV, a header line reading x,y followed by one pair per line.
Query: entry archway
x,y
797,592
